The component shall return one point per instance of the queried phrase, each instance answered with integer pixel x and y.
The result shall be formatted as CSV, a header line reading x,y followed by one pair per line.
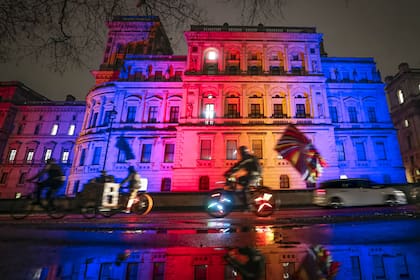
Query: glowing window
x,y
400,95
72,127
209,111
406,123
65,156
48,153
211,55
12,154
30,156
54,129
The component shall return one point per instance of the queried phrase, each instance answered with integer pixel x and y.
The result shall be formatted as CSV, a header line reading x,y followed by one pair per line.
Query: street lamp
x,y
112,115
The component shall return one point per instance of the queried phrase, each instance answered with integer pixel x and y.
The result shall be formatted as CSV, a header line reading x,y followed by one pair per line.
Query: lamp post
x,y
112,115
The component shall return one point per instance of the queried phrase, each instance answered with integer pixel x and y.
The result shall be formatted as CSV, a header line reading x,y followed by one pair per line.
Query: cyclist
x,y
55,179
134,183
251,165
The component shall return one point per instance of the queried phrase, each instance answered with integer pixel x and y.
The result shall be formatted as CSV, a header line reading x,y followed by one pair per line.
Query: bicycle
x,y
221,201
25,205
107,200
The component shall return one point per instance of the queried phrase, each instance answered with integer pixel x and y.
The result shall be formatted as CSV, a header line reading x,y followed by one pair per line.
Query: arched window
x,y
204,183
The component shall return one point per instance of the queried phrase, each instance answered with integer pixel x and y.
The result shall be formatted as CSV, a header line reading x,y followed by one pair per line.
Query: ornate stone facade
x,y
179,118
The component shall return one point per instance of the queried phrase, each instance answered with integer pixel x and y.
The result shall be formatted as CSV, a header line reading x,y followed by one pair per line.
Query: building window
x,y
341,155
255,111
284,182
380,151
278,111
166,185
352,114
378,267
360,151
96,155
153,111
146,153
231,147
209,112
406,123
121,156
372,114
19,129
107,118
300,111
72,128
3,178
132,271
355,268
333,113
169,153
173,114
402,267
30,156
54,129
12,155
158,271
205,150
37,128
257,148
82,157
94,119
400,96
22,178
200,272
232,111
105,271
65,156
204,183
131,114
47,155
320,110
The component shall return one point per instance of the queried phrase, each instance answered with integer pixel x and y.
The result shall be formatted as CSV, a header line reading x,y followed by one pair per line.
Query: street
x,y
40,242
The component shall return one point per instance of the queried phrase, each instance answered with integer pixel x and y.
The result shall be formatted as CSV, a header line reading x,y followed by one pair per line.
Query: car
x,y
414,194
356,192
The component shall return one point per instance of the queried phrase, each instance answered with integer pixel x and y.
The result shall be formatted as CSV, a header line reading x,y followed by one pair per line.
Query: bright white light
x,y
343,177
211,55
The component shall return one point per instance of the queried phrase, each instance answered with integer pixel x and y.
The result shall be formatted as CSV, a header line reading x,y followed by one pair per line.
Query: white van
x,y
356,192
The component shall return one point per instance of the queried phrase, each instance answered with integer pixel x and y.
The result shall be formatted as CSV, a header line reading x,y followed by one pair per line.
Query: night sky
x,y
387,30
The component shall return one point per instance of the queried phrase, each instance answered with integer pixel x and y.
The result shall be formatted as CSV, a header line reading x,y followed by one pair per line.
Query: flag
x,y
295,147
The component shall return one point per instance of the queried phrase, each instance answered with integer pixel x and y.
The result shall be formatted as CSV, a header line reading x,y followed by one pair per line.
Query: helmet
x,y
243,150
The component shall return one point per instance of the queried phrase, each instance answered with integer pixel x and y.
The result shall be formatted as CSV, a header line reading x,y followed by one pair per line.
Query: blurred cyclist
x,y
251,165
55,179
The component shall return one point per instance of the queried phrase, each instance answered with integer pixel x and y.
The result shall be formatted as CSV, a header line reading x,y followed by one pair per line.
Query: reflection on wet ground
x,y
387,249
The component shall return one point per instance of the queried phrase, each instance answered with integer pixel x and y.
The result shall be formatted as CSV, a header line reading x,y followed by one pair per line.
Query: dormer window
x,y
400,96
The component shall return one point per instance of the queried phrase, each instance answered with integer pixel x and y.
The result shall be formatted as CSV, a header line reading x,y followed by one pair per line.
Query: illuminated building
x,y
181,117
403,95
33,129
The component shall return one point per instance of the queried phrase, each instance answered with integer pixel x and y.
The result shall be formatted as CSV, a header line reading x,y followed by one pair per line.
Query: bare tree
x,y
63,34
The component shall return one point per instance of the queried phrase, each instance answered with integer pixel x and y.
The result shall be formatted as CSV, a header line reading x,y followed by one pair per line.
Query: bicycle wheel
x,y
143,204
56,211
21,208
263,202
219,203
88,209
